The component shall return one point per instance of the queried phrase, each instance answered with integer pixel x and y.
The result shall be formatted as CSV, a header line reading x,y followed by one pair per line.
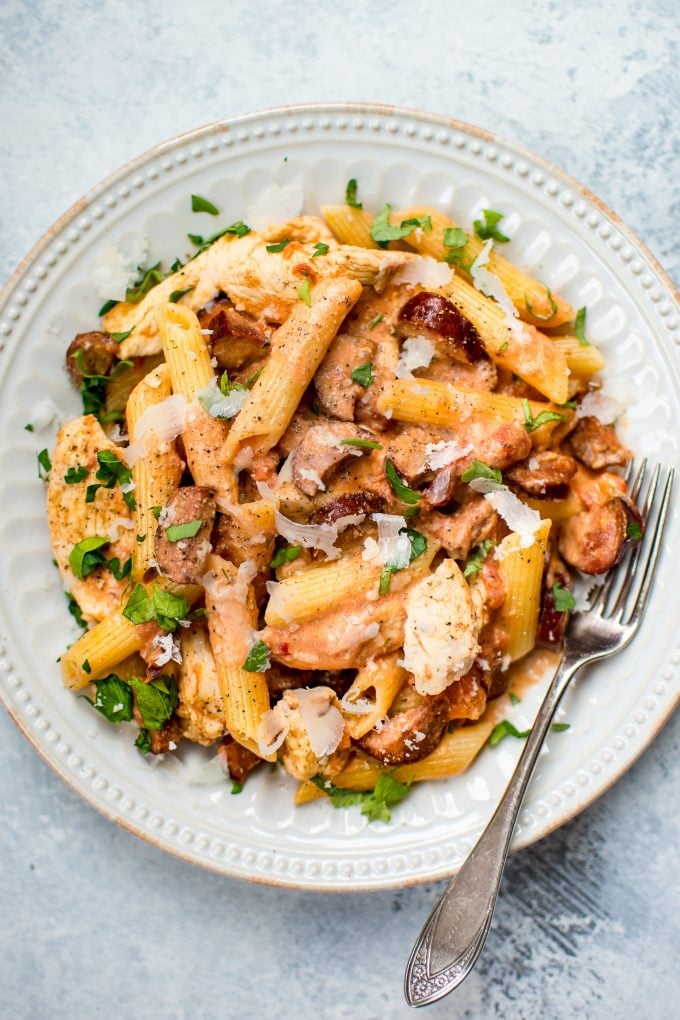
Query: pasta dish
x,y
333,476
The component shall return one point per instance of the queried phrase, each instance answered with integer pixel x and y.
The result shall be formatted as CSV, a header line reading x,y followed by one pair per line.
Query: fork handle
x,y
453,937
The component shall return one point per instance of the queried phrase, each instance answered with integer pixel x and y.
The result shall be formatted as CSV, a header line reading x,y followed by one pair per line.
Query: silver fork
x,y
453,937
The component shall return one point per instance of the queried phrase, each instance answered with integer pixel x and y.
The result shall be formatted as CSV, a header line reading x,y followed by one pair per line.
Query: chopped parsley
x,y
176,266
286,554
86,667
119,570
236,787
239,228
106,308
75,474
375,803
226,385
633,531
87,555
580,326
320,248
351,194
366,444
563,600
503,347
200,204
143,741
29,427
156,511
176,532
363,375
400,489
376,321
93,387
304,293
553,306
514,700
280,246
560,727
418,547
478,469
258,658
111,470
455,239
506,729
119,337
531,423
162,606
149,278
382,231
44,464
156,700
113,698
488,229
175,295
476,560
75,610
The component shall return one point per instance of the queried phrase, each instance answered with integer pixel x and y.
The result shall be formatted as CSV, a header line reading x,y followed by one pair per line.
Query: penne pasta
x,y
522,573
556,509
583,360
99,651
297,350
156,474
232,619
349,224
377,683
532,299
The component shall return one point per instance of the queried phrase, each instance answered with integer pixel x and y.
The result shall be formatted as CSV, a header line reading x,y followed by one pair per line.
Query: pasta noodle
x,y
350,225
521,570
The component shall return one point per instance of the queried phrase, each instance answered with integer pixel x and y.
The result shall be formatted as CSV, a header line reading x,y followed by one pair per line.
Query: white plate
x,y
563,235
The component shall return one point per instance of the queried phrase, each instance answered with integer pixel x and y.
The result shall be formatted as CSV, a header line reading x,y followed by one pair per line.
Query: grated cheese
x,y
278,203
423,271
115,270
440,455
490,285
416,352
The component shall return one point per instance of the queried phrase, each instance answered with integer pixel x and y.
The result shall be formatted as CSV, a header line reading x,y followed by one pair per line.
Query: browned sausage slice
x,y
336,391
320,451
436,318
593,541
184,559
412,733
597,445
94,353
236,339
546,475
459,532
239,760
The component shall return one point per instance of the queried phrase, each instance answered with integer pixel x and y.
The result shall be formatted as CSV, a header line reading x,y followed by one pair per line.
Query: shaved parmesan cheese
x,y
391,547
42,414
312,476
416,352
519,517
277,204
163,421
217,404
115,270
310,536
169,646
320,717
348,521
247,572
273,728
423,271
490,285
362,706
286,472
440,455
601,406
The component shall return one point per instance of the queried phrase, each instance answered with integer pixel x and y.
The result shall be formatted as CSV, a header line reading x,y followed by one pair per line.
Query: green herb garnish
x,y
119,337
75,611
320,248
580,326
560,727
382,231
400,489
375,803
87,555
351,194
113,698
476,560
366,444
478,469
506,729
633,531
503,347
563,600
44,464
236,787
111,470
176,532
162,606
363,375
200,204
455,239
304,293
175,295
376,321
143,741
239,228
280,246
150,277
418,547
106,308
531,423
75,474
553,306
286,554
514,700
488,230
156,700
258,658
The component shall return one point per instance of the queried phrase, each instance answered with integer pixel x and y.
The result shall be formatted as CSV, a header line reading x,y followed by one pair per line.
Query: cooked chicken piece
x,y
200,703
302,420
71,519
466,698
236,339
239,761
546,475
304,229
459,532
263,284
315,741
440,634
336,391
597,445
183,559
414,727
480,376
91,354
593,541
321,450
343,639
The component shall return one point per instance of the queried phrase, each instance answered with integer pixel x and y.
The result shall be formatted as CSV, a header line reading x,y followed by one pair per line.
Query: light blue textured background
x,y
94,923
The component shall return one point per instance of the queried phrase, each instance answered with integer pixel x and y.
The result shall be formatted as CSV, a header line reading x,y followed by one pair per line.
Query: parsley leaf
x,y
111,470
563,599
175,295
226,385
258,658
418,547
29,427
119,337
337,796
118,571
455,239
87,555
553,306
478,469
320,248
506,729
400,489
93,387
236,787
385,579
503,347
351,194
106,307
150,277
633,531
156,700
363,375
382,231
488,229
475,561
367,444
75,611
580,326
162,606
44,465
239,228
560,727
176,266
176,532
304,293
143,741
285,555
514,700
376,321
113,698
199,204
280,246
388,791
531,423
